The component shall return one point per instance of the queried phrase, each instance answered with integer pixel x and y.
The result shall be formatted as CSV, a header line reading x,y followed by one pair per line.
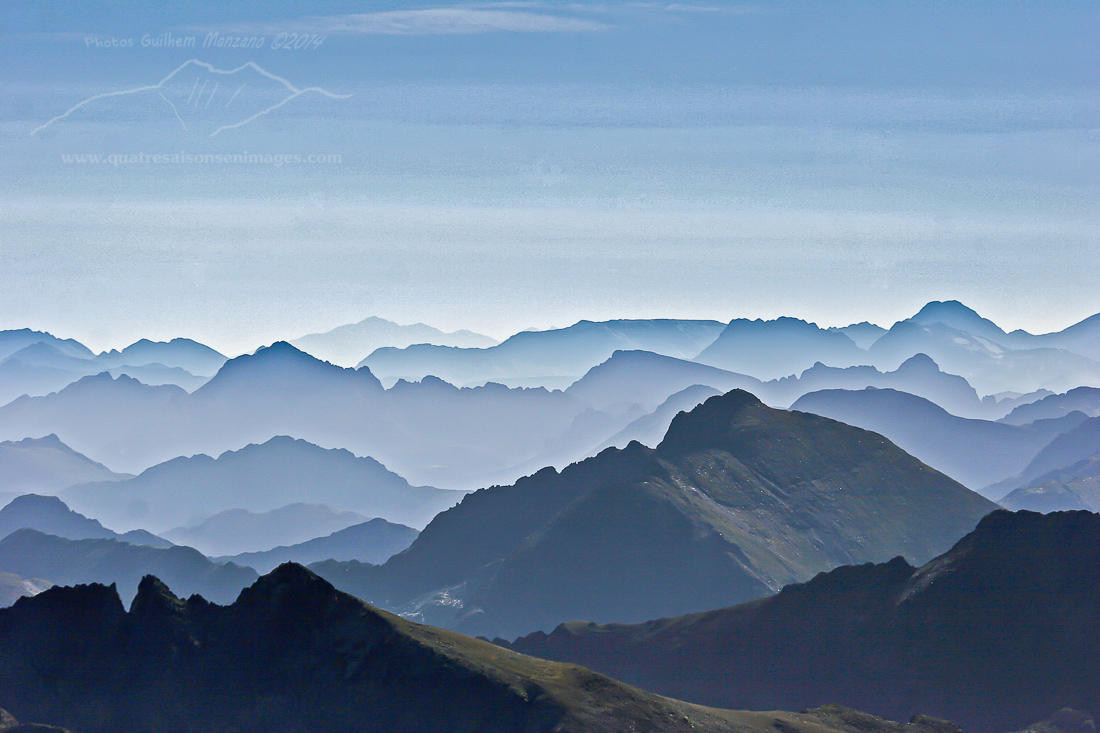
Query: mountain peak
x,y
36,503
290,585
954,314
154,599
919,362
708,422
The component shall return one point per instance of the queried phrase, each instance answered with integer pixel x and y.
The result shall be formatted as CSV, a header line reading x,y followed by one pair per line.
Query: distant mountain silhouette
x,y
917,375
373,541
976,453
259,478
1081,338
184,353
647,380
48,365
779,348
46,465
553,358
32,554
863,334
50,515
349,345
736,501
1074,487
1064,450
1081,399
238,530
321,661
959,317
13,587
429,432
951,638
650,429
991,366
13,341
284,370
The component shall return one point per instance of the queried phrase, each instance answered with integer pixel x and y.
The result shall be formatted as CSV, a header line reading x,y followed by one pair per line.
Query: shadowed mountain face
x,y
259,478
374,541
555,358
962,637
31,554
46,465
321,661
1074,487
736,501
976,453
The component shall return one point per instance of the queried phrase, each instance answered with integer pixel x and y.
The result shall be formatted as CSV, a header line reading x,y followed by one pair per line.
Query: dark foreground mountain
x,y
1073,487
294,654
31,554
373,541
976,453
737,501
997,633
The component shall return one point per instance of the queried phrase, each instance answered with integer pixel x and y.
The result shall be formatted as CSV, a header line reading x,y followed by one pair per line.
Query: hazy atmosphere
x,y
549,367
501,166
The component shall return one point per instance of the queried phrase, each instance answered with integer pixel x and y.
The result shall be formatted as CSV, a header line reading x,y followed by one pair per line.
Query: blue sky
x,y
516,164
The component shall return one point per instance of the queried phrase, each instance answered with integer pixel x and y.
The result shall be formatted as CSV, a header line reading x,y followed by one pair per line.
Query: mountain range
x,y
554,358
234,531
46,465
31,554
977,453
373,541
1076,486
320,661
50,515
736,501
425,431
779,348
1000,631
351,344
613,373
258,478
